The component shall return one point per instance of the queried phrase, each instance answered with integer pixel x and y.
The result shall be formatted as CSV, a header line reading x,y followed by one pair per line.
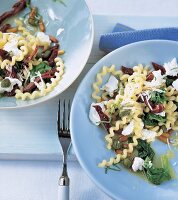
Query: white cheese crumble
x,y
137,164
175,84
111,85
13,81
12,46
171,67
158,79
128,129
93,114
40,85
130,89
59,31
148,135
43,38
162,114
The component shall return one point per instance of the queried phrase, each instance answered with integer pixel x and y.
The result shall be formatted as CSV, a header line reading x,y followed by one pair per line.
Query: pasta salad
x,y
135,106
30,62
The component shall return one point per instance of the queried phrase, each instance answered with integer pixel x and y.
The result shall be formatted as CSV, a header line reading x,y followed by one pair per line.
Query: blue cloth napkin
x,y
123,35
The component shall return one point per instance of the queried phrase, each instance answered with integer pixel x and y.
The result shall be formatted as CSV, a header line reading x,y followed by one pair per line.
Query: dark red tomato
x,y
150,77
158,108
103,117
127,70
159,67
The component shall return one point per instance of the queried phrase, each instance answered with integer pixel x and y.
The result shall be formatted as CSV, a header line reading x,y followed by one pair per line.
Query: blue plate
x,y
76,39
88,139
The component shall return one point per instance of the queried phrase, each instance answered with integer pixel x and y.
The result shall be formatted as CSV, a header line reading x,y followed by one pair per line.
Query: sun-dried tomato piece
x,y
31,86
150,77
103,117
54,54
159,67
16,8
5,55
157,108
127,70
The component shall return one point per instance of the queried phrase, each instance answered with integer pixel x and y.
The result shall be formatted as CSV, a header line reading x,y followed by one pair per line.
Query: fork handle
x,y
63,192
63,189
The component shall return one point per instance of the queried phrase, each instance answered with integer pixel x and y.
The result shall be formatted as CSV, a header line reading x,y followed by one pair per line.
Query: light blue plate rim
x,y
73,114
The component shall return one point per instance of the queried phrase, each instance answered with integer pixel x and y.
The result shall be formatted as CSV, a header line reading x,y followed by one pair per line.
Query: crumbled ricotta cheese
x,y
13,81
40,85
111,85
162,114
128,129
59,31
12,46
171,67
158,79
130,89
137,164
93,114
148,135
175,84
43,38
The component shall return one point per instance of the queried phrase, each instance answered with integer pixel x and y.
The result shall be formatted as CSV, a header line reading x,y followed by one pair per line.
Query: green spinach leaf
x,y
144,150
155,175
151,119
42,68
169,81
158,97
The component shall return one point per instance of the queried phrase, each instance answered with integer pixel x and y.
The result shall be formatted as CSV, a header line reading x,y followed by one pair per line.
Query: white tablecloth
x,y
25,180
31,180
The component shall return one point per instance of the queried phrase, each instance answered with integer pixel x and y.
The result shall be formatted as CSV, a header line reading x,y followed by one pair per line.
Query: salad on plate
x,y
30,62
135,106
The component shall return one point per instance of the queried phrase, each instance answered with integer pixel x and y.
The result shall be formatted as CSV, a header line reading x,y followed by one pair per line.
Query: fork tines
x,y
63,119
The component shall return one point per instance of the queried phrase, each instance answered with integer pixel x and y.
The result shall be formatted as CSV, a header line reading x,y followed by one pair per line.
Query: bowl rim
x,y
64,88
77,153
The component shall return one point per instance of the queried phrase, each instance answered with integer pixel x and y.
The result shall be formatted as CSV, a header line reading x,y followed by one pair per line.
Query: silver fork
x,y
65,141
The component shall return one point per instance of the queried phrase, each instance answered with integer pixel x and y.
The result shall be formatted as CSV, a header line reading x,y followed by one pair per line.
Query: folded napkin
x,y
123,35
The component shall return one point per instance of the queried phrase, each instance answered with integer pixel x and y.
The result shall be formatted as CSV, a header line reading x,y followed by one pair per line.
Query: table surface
x,y
37,180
